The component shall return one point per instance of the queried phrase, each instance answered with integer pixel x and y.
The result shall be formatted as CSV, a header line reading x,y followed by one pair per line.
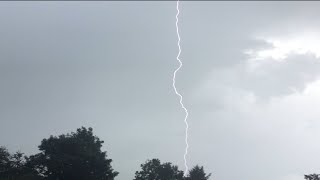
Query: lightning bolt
x,y
178,94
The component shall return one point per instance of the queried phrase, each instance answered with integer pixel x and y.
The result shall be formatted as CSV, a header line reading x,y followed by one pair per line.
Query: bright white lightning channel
x,y
180,96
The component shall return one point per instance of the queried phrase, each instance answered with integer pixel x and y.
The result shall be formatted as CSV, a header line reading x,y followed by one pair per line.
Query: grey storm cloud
x,y
109,65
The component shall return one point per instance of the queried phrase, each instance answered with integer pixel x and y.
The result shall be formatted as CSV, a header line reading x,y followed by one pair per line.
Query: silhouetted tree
x,y
14,167
4,162
75,156
312,177
154,170
197,173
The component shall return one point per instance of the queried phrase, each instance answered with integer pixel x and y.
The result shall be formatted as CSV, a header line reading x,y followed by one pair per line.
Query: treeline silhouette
x,y
78,156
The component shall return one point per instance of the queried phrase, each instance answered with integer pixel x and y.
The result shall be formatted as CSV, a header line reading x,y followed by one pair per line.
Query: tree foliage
x,y
78,156
197,173
15,166
312,177
4,162
75,156
154,170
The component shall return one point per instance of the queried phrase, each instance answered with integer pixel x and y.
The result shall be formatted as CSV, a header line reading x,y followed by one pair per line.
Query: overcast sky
x,y
250,81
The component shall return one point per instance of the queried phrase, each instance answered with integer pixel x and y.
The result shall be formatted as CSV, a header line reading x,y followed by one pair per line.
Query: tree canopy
x,y
197,173
154,170
75,156
312,177
15,166
78,156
